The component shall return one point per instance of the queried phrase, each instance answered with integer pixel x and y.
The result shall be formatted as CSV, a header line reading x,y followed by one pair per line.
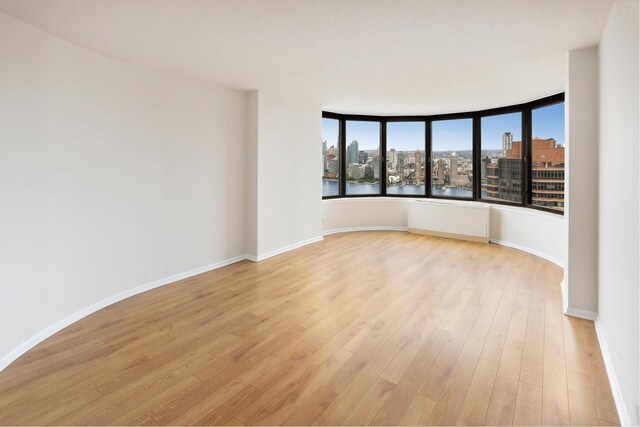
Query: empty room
x,y
319,212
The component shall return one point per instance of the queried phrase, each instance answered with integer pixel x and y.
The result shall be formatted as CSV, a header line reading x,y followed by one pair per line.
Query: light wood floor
x,y
363,328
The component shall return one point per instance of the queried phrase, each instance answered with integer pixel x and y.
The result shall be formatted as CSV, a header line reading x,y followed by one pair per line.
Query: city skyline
x,y
547,122
451,167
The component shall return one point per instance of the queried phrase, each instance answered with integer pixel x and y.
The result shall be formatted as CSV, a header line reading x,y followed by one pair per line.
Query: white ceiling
x,y
362,56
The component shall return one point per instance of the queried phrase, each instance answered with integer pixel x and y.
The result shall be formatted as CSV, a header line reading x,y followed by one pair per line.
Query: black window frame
x,y
343,152
525,109
443,118
426,142
340,169
537,104
524,177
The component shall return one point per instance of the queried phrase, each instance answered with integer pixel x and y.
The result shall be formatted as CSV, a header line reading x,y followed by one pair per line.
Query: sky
x,y
330,132
492,128
366,133
405,136
450,135
548,122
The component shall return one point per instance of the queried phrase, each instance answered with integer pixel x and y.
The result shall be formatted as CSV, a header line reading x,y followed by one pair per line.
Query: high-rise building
x,y
376,166
368,171
439,175
507,143
363,157
356,171
418,162
331,163
353,152
393,158
454,178
324,156
547,173
333,168
504,178
485,163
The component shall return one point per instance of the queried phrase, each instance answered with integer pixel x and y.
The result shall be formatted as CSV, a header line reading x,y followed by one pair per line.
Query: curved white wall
x,y
112,177
537,232
368,213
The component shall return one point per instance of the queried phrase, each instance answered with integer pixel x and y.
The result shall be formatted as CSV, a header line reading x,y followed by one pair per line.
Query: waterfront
x,y
330,188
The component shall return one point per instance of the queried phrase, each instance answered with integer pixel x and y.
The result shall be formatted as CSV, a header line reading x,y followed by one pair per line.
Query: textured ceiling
x,y
362,56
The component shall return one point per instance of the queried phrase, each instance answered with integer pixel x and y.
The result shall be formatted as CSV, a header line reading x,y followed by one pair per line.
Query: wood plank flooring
x,y
378,328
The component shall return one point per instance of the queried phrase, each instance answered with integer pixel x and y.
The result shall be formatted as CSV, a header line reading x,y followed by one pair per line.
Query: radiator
x,y
453,219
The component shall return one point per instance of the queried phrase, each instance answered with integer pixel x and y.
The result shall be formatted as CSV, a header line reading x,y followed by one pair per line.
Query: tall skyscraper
x,y
440,172
393,158
418,162
376,166
353,152
507,142
453,169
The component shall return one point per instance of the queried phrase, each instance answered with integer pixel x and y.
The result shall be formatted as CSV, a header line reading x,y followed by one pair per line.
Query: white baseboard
x,y
531,251
564,292
574,312
625,420
58,326
582,314
370,228
288,248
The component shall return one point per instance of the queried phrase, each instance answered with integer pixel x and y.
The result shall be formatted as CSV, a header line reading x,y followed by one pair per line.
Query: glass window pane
x,y
363,157
501,157
405,158
452,158
547,157
330,157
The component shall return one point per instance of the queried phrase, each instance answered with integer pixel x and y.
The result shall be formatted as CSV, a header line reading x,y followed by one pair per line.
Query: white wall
x,y
534,231
111,176
618,208
367,213
580,290
289,164
537,232
251,206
